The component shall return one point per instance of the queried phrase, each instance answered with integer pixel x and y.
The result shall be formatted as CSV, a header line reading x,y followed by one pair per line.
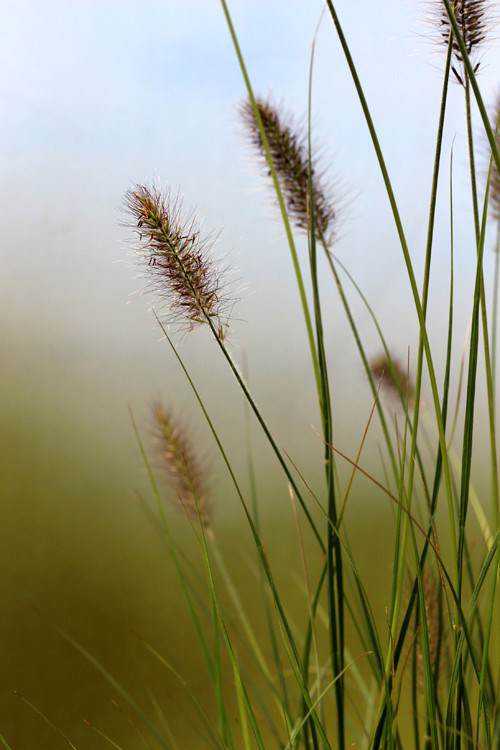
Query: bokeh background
x,y
96,96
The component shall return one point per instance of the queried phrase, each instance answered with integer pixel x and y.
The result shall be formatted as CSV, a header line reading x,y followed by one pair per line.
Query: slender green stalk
x,y
316,702
464,629
430,235
311,617
446,468
290,640
267,433
464,634
473,81
400,549
479,309
279,196
118,688
335,584
399,563
414,687
245,708
426,284
483,310
202,715
404,628
263,583
246,625
173,552
332,262
428,258
408,263
220,341
494,313
486,651
47,721
212,661
373,646
350,483
224,727
430,692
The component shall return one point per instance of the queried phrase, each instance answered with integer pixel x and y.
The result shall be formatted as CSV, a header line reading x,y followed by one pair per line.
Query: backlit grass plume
x,y
183,468
474,21
178,258
288,147
495,173
394,376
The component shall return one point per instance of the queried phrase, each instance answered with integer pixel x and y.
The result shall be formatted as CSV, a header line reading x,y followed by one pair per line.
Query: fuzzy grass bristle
x,y
289,151
495,172
183,468
393,375
434,627
474,21
178,258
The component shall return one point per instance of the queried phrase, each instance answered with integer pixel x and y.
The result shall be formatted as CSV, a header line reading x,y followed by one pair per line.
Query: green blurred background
x,y
96,96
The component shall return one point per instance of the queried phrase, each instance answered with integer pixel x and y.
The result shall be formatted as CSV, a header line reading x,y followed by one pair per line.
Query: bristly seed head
x,y
474,22
434,628
288,147
182,467
495,172
178,259
394,376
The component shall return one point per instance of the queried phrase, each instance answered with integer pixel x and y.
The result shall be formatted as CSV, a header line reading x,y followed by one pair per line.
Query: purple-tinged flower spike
x,y
183,469
288,147
178,259
495,173
474,21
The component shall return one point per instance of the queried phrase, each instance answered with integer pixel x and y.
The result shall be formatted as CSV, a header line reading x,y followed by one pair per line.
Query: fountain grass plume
x,y
393,376
289,150
474,20
184,469
178,259
495,172
432,592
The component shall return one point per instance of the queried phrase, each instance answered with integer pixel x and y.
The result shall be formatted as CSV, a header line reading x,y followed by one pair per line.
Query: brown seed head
x,y
474,21
434,626
178,259
288,147
394,376
495,172
182,467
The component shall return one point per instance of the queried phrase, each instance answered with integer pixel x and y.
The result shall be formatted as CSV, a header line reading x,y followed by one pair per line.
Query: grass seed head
x,y
394,376
474,21
288,147
495,172
434,627
183,469
178,259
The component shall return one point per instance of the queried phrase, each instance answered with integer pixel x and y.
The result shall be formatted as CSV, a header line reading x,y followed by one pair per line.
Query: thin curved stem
x,y
280,199
409,267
